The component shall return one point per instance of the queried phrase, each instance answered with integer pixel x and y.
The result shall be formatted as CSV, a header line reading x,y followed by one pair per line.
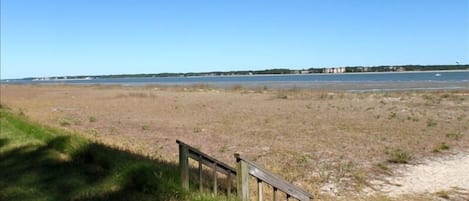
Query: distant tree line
x,y
435,67
405,68
214,73
310,70
349,69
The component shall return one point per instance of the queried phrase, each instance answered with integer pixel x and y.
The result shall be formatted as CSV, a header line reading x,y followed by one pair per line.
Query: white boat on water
x,y
438,75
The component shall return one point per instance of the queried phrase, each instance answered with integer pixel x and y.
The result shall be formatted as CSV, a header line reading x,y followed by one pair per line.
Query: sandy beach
x,y
331,143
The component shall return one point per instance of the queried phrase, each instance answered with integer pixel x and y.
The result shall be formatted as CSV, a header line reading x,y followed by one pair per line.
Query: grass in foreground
x,y
41,163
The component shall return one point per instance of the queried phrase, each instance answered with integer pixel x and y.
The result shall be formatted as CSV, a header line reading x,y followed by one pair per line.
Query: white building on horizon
x,y
334,70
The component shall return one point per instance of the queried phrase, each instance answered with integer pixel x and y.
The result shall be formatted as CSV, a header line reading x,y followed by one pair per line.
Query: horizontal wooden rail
x,y
186,151
247,167
208,160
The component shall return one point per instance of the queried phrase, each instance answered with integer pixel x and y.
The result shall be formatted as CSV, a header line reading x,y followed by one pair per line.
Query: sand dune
x,y
432,175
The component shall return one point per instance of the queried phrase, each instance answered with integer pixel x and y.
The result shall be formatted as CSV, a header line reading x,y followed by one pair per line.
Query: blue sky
x,y
92,37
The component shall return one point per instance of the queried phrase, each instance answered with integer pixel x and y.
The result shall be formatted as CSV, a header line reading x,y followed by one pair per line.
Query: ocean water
x,y
347,81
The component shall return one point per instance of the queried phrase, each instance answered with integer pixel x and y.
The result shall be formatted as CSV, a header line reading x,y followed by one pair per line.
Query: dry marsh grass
x,y
315,139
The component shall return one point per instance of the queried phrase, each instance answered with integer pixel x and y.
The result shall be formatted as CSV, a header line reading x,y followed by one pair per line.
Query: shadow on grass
x,y
91,172
3,142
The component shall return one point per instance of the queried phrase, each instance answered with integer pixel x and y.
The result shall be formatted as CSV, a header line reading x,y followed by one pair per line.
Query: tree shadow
x,y
3,142
54,171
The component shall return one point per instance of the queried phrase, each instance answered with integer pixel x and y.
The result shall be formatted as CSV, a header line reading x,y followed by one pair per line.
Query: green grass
x,y
92,119
399,156
145,127
42,163
64,122
431,123
441,147
454,136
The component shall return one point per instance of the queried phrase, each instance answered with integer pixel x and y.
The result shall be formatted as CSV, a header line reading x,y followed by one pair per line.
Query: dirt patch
x,y
430,176
437,178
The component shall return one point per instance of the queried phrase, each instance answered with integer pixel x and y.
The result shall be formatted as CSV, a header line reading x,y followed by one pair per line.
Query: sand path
x,y
433,175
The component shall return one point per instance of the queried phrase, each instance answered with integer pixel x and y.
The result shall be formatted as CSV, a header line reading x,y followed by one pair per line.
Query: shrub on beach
x,y
399,156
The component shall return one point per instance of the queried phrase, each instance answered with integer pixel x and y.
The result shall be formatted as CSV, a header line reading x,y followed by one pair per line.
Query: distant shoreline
x,y
259,75
274,72
346,73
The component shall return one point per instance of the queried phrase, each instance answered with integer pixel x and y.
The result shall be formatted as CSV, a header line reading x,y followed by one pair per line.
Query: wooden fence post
x,y
260,193
215,183
275,194
184,165
242,178
228,190
201,183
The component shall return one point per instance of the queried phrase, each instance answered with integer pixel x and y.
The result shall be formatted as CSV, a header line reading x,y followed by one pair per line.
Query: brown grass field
x,y
316,139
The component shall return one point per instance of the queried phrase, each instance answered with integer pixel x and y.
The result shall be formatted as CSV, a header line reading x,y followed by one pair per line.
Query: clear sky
x,y
92,37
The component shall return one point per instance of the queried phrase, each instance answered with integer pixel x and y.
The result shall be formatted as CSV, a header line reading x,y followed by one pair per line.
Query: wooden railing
x,y
246,168
186,151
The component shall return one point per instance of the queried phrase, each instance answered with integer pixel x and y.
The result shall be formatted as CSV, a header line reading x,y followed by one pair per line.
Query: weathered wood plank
x,y
210,164
242,172
275,181
260,192
280,184
201,183
184,166
187,151
229,183
275,197
195,154
215,183
242,180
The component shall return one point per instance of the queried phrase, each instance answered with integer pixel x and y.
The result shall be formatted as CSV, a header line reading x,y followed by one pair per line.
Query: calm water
x,y
350,81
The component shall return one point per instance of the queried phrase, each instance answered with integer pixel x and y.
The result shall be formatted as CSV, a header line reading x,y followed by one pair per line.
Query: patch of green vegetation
x,y
141,95
441,147
42,163
383,166
21,112
326,96
197,130
92,119
282,95
302,159
399,156
113,130
431,123
145,127
64,122
445,96
223,149
443,194
93,132
77,122
454,136
427,97
392,115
